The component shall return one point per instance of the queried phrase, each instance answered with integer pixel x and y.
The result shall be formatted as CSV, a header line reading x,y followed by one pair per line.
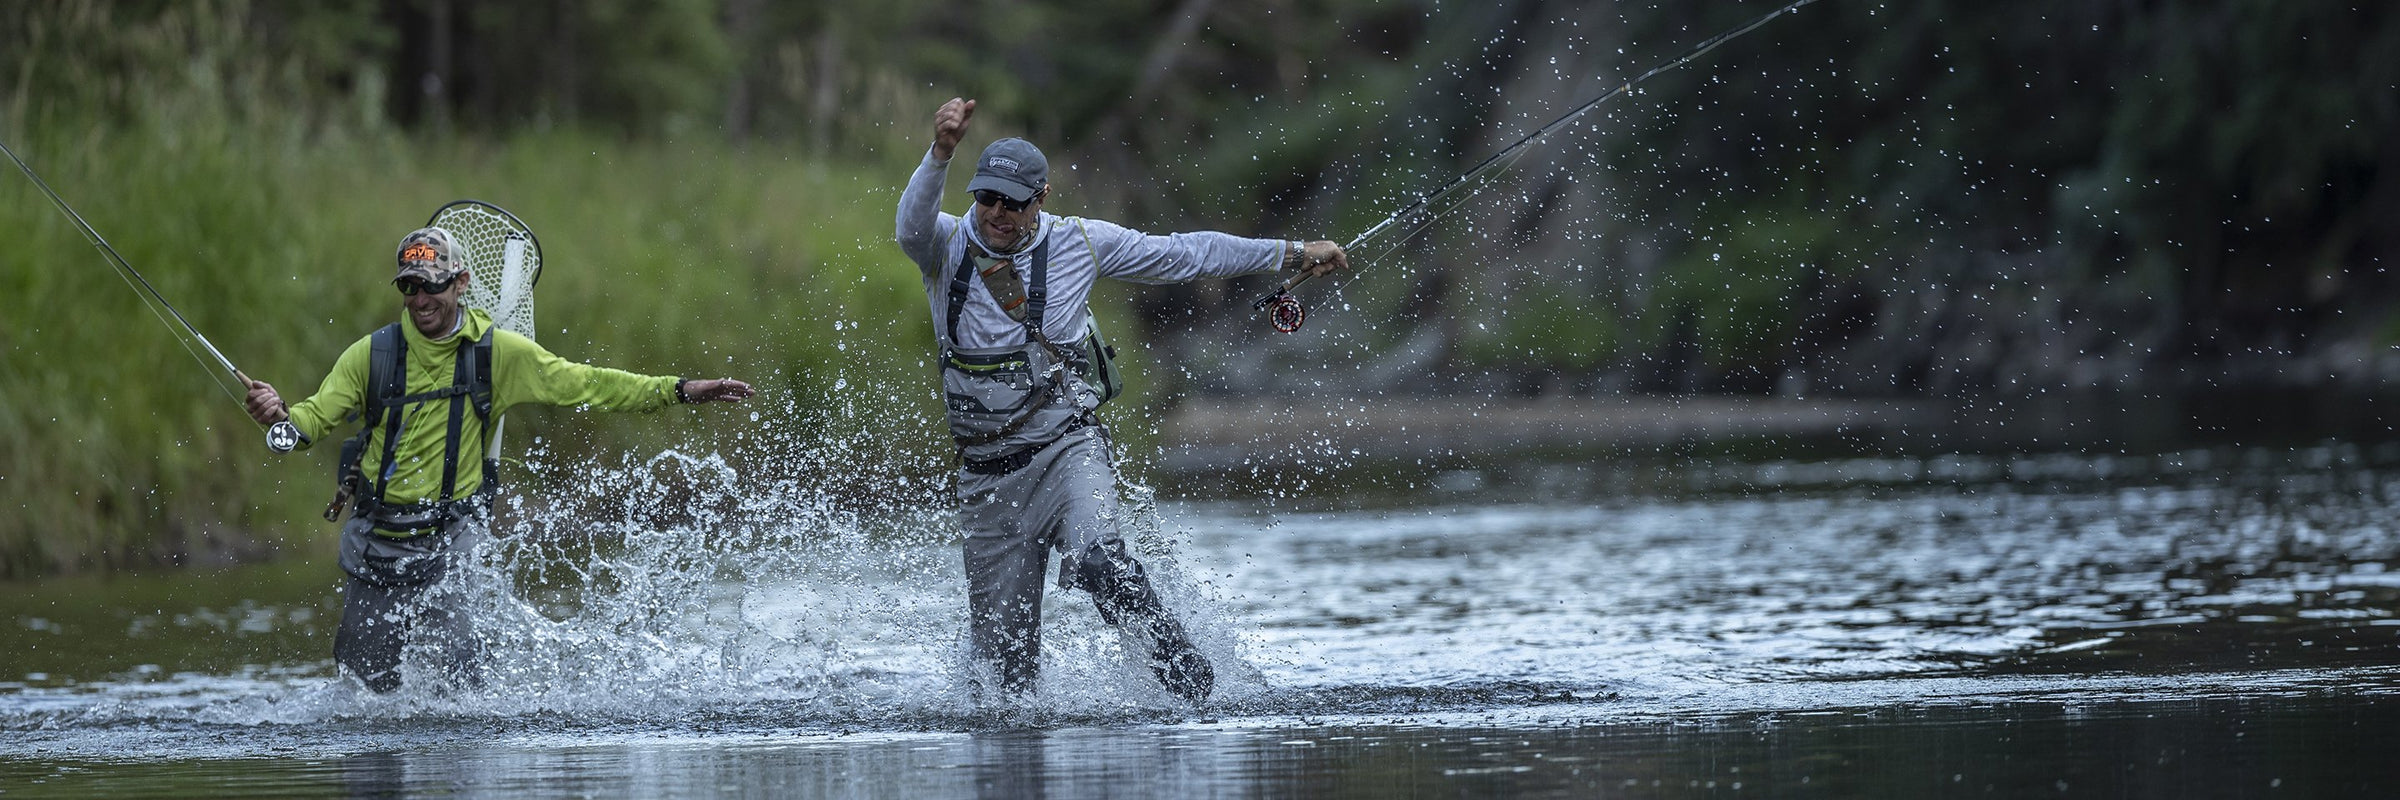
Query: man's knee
x,y
1103,567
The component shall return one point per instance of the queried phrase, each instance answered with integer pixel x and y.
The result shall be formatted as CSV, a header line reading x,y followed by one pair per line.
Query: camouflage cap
x,y
429,254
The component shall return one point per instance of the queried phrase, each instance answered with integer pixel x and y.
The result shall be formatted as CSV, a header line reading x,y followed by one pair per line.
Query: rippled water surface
x,y
2210,622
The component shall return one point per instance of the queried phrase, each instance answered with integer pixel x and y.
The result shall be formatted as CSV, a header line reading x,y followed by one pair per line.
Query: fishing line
x,y
1284,310
281,436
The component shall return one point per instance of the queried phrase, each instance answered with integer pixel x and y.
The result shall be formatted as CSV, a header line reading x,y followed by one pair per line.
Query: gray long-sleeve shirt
x,y
1081,251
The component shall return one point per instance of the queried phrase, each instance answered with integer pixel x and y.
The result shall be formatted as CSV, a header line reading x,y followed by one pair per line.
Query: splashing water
x,y
812,578
706,588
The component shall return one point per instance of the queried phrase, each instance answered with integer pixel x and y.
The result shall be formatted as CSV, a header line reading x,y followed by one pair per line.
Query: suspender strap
x,y
387,379
462,375
958,291
480,389
1037,291
470,387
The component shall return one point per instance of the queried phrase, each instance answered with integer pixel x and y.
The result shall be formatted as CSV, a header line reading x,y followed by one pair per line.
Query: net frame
x,y
502,284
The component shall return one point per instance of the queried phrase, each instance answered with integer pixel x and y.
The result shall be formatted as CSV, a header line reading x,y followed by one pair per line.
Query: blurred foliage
x,y
2193,180
1864,197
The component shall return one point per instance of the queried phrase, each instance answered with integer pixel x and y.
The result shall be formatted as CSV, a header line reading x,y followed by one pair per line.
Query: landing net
x,y
505,258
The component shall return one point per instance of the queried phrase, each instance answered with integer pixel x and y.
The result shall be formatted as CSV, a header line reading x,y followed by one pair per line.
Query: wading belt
x,y
1017,460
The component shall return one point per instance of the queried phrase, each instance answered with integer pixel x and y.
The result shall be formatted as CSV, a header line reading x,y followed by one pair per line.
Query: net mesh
x,y
506,260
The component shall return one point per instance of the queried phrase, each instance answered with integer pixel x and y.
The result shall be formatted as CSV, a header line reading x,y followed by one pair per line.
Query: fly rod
x,y
1284,310
282,436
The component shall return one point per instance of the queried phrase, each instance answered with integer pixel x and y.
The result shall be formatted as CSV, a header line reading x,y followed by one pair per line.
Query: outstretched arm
x,y
525,373
1131,255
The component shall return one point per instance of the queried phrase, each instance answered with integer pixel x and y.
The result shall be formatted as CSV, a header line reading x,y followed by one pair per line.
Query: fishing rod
x,y
1284,310
282,436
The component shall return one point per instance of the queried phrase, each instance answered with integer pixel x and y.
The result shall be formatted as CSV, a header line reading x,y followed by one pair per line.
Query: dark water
x,y
2262,739
2212,622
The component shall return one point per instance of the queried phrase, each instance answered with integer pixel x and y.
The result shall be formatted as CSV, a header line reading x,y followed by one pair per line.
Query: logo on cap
x,y
419,251
1002,163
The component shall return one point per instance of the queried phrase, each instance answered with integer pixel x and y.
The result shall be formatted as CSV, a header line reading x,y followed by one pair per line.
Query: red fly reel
x,y
1285,312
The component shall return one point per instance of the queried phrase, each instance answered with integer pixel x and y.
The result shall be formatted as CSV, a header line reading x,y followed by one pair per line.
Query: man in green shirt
x,y
429,390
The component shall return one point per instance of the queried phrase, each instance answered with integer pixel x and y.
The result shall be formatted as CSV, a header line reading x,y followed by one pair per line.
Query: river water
x,y
2221,621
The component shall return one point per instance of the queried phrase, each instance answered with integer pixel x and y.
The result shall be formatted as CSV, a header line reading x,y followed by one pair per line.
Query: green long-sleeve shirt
x,y
522,372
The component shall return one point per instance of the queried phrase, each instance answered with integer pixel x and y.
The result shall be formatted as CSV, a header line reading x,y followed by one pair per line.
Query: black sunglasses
x,y
988,197
410,287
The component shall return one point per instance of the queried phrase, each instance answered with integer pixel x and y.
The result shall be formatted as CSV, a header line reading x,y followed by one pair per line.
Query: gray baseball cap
x,y
1013,167
429,254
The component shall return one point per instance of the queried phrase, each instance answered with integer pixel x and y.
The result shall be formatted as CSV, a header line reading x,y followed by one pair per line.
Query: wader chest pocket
x,y
986,389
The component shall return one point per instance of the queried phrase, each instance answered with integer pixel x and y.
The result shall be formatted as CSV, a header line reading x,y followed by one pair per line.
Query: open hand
x,y
707,390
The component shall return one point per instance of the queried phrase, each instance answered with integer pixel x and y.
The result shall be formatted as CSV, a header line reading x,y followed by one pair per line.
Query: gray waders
x,y
404,561
407,590
1038,475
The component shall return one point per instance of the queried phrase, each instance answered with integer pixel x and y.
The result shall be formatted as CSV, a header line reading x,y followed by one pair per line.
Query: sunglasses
x,y
411,287
988,197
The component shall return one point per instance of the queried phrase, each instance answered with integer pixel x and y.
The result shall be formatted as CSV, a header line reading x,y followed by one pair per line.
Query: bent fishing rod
x,y
1284,310
282,436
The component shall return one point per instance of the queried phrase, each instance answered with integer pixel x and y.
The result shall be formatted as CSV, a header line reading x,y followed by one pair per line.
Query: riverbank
x,y
1205,434
1217,433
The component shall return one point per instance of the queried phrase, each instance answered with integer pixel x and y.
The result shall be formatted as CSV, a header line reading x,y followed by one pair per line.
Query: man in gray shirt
x,y
1023,370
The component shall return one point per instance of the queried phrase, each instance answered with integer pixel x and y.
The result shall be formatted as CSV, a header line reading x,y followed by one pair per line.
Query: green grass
x,y
118,448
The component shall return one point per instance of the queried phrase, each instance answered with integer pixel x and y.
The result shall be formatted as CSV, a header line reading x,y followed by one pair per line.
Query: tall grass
x,y
118,448
274,236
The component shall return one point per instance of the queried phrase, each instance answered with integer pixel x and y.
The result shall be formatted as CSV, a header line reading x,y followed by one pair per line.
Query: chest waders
x,y
1001,391
386,401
